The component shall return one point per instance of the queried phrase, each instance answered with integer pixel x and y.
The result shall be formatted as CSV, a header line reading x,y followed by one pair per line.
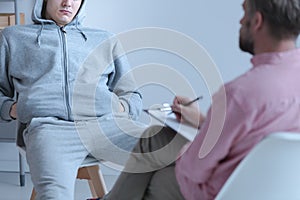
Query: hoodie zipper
x,y
65,68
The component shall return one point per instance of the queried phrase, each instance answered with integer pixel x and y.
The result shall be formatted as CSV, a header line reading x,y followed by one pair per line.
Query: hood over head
x,y
37,17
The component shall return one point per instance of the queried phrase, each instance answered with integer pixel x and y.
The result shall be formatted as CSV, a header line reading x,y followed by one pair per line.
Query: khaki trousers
x,y
149,173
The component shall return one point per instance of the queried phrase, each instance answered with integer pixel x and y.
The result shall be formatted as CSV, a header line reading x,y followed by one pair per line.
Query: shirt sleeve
x,y
196,168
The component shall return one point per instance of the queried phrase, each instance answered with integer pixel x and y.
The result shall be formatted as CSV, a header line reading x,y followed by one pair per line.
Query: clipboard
x,y
169,120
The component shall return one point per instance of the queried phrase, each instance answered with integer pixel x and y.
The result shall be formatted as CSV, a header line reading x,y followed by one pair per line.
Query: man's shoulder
x,y
254,88
245,87
10,30
241,81
253,76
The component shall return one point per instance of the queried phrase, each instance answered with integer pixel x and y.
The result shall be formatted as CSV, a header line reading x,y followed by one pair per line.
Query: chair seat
x,y
89,161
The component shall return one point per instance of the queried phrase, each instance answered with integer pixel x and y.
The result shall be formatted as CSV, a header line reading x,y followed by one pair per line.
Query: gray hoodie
x,y
56,71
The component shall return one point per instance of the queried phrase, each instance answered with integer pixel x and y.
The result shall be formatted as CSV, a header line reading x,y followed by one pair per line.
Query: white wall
x,y
213,24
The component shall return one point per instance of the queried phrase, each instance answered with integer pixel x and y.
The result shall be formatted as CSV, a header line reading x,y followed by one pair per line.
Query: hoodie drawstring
x,y
39,34
80,31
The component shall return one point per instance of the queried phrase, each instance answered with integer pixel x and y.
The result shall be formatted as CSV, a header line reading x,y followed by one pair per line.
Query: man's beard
x,y
245,41
246,45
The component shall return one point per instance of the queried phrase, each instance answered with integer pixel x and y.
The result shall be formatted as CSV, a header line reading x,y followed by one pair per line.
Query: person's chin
x,y
64,21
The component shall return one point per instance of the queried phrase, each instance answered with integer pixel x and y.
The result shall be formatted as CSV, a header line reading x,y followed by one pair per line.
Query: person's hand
x,y
13,111
187,114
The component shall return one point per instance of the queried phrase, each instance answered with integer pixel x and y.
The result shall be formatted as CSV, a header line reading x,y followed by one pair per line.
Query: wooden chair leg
x,y
33,194
95,180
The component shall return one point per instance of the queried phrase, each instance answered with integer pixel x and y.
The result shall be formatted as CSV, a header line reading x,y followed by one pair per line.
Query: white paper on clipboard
x,y
187,131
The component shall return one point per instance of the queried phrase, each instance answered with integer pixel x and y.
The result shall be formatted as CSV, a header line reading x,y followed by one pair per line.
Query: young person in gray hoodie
x,y
74,93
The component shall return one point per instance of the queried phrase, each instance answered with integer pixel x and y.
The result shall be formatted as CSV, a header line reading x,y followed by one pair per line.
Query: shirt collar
x,y
276,57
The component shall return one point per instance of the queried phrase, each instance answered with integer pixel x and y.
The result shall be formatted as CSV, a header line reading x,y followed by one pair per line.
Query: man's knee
x,y
154,138
164,186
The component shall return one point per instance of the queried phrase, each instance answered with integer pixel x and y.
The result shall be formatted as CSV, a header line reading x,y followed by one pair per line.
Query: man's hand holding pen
x,y
187,111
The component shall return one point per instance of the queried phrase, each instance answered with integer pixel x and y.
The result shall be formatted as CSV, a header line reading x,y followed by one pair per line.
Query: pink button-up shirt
x,y
266,99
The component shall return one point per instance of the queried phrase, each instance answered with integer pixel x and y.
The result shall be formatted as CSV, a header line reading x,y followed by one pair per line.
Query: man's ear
x,y
258,21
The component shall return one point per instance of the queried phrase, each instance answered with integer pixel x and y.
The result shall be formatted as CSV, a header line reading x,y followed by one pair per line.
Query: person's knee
x,y
154,138
153,130
164,186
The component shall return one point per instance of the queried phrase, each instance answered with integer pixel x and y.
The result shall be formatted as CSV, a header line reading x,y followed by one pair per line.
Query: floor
x,y
11,190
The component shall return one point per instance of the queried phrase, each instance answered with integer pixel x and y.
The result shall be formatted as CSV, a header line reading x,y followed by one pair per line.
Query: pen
x,y
186,104
194,100
167,107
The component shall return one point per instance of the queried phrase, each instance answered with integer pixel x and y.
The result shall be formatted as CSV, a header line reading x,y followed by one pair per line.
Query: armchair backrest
x,y
271,171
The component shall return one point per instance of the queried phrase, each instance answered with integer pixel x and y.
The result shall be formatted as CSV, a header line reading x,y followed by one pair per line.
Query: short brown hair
x,y
44,9
282,16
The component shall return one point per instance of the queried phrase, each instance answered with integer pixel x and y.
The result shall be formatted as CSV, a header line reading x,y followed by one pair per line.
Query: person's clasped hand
x,y
13,111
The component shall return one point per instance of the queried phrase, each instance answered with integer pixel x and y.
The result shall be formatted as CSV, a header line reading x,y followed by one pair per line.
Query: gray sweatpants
x,y
56,148
149,173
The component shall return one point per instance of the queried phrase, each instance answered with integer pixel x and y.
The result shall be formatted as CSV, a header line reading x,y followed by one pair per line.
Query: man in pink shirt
x,y
265,99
